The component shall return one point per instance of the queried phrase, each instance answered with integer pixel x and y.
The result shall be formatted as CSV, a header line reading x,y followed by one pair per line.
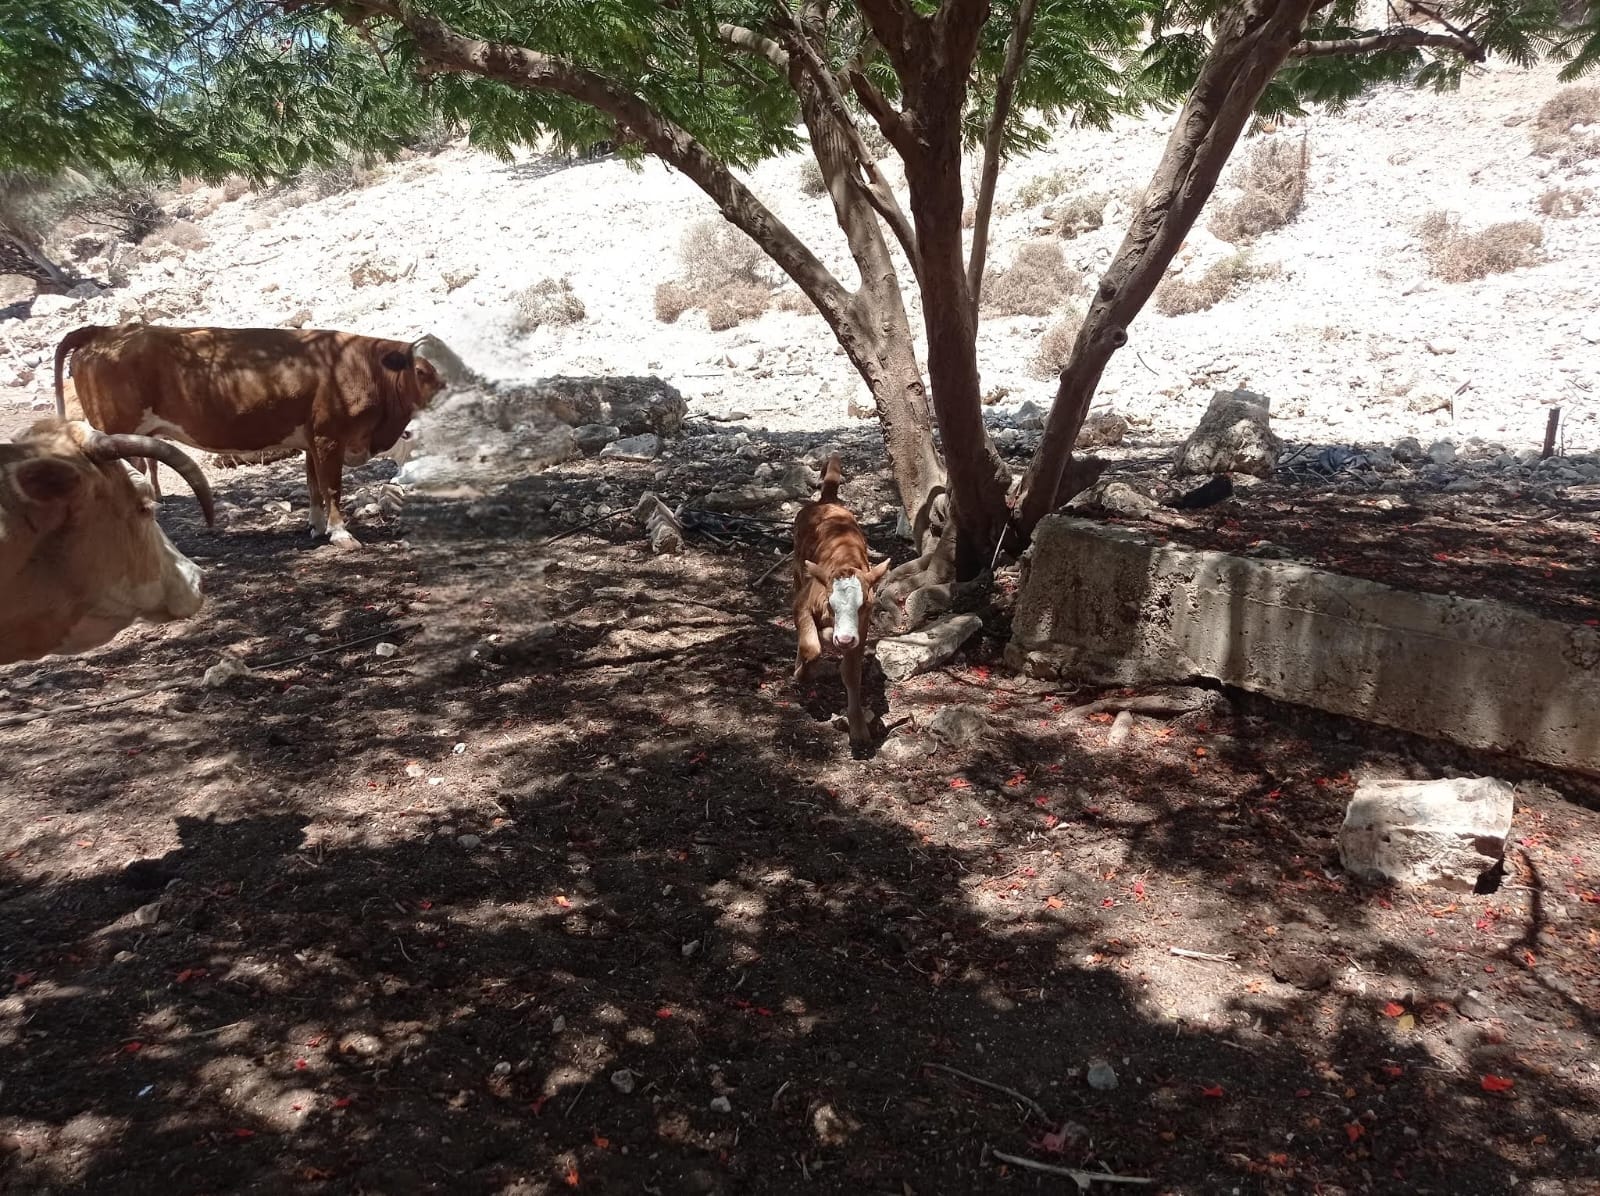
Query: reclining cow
x,y
339,396
81,554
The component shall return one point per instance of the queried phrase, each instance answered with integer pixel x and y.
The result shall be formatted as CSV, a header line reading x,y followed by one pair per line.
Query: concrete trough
x,y
1106,603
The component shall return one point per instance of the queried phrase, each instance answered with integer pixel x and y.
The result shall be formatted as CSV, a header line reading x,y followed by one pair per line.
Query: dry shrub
x,y
794,301
734,303
1565,202
1568,107
456,277
1055,346
235,186
1179,296
548,301
1273,185
812,184
336,178
672,300
1567,149
1080,214
180,234
716,254
969,216
1042,188
1457,256
1036,283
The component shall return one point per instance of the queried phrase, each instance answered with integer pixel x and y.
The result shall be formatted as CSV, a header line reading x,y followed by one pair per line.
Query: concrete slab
x,y
1111,604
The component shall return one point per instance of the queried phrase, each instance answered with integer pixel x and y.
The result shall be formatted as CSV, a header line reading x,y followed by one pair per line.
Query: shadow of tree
x,y
353,958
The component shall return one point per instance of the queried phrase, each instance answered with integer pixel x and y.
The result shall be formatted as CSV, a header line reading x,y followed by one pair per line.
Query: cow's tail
x,y
70,343
831,477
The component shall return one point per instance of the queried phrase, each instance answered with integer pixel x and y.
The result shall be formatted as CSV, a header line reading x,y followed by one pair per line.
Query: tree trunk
x,y
937,54
1252,43
873,328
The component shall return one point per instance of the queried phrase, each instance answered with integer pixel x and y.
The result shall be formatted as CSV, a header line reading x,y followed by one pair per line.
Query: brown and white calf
x,y
833,587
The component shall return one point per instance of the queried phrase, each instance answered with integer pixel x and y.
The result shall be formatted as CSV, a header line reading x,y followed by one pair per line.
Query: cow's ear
x,y
875,574
46,480
816,570
397,361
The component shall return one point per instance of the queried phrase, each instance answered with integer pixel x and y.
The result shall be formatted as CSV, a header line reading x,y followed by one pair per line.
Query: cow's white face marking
x,y
845,600
174,594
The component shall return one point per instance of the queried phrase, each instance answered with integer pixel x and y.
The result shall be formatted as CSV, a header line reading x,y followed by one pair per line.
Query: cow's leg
x,y
330,475
851,670
808,644
319,518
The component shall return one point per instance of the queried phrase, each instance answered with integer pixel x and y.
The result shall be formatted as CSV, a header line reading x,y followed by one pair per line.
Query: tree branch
x,y
747,39
890,119
891,22
1391,39
443,49
1016,49
877,188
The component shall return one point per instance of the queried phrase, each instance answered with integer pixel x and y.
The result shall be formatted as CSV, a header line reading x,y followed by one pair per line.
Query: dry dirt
x,y
396,924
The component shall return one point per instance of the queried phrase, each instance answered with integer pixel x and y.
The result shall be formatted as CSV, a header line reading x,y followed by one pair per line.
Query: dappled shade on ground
x,y
654,853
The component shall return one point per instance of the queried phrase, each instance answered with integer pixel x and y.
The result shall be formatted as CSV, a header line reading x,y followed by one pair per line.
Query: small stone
x,y
1442,452
591,438
721,1104
1100,429
1121,728
459,749
1233,436
1408,448
960,725
414,771
644,447
502,1068
224,671
1470,1004
1102,1076
1442,345
470,842
624,1081
688,949
560,1024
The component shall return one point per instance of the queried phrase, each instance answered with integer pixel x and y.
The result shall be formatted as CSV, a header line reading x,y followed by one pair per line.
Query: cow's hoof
x,y
343,539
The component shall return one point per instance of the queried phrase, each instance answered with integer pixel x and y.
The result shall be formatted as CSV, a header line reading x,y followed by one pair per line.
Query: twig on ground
x,y
782,561
583,527
584,1088
1082,1178
1185,953
1034,1106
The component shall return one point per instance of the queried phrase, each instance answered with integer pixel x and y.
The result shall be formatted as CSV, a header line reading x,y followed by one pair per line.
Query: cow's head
x,y
409,384
850,592
81,554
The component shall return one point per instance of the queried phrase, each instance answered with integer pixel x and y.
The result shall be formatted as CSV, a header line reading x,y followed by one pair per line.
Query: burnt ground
x,y
396,924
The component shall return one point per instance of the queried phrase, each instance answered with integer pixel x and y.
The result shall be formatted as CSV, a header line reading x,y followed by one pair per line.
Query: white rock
x,y
644,447
623,1080
52,305
721,1104
385,648
470,842
903,656
224,671
1442,452
1446,832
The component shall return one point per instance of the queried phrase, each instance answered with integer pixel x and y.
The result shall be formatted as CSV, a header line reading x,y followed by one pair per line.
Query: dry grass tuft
x,y
1457,256
795,301
736,303
1563,203
1568,107
180,234
812,184
1179,296
672,300
1036,283
1055,346
1042,188
1273,185
1080,214
548,301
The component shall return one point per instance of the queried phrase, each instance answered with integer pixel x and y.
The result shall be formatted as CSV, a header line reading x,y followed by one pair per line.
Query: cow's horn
x,y
102,447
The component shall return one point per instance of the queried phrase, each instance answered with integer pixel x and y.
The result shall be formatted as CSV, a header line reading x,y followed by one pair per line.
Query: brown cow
x,y
833,585
81,554
337,395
